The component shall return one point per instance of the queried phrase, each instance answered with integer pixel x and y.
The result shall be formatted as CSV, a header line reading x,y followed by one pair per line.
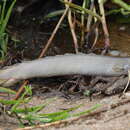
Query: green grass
x,y
5,14
20,110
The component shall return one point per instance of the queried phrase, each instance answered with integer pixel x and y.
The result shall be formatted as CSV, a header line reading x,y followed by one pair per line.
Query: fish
x,y
68,64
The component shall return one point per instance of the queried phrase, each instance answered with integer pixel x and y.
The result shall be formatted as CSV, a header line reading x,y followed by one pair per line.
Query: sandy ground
x,y
114,114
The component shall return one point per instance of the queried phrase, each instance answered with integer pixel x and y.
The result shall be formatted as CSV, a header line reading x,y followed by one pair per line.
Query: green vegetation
x,y
85,16
88,7
20,109
4,18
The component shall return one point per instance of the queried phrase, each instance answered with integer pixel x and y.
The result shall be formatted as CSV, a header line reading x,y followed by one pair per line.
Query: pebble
x,y
117,53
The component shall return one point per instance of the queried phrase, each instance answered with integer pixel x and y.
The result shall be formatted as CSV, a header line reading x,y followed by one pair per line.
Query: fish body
x,y
67,65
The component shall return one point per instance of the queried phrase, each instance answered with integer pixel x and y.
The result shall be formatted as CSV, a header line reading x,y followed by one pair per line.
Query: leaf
x,y
88,111
54,114
29,109
53,14
12,102
7,90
